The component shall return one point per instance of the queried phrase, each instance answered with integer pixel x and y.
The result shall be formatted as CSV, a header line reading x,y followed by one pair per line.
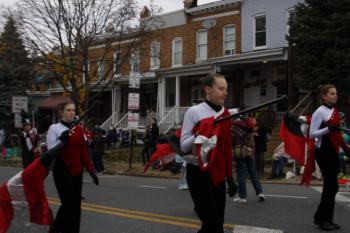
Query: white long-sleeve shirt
x,y
53,134
321,115
193,115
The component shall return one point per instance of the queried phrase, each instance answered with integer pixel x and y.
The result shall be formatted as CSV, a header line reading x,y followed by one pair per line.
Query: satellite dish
x,y
209,23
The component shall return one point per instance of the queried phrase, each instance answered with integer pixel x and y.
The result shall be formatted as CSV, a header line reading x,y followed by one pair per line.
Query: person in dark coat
x,y
260,140
146,146
154,135
98,150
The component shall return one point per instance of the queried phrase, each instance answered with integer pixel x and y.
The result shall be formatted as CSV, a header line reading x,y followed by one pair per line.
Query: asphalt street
x,y
125,204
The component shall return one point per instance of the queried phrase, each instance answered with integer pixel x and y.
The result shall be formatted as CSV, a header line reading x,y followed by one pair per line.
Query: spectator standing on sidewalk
x,y
244,156
146,145
154,135
260,140
98,150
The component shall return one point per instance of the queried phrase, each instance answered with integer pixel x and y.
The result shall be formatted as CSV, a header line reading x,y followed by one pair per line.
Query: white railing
x,y
173,117
123,122
168,121
111,121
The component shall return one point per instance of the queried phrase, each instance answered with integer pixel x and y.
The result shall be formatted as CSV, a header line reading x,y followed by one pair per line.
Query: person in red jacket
x,y
207,186
68,168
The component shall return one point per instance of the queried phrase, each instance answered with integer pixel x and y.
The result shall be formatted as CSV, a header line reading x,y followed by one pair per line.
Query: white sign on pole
x,y
18,120
134,101
19,103
133,120
134,80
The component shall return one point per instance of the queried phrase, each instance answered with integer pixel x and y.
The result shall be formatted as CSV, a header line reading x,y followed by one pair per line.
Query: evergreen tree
x,y
320,36
14,70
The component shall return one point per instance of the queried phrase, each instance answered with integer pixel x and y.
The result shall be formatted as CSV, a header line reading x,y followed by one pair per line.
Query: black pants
x,y
209,201
69,190
328,161
27,158
98,161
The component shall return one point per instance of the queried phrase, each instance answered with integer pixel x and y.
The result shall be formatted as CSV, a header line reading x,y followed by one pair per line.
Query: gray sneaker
x,y
261,197
240,200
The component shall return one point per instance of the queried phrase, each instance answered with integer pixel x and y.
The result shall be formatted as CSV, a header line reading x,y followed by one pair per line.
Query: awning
x,y
51,102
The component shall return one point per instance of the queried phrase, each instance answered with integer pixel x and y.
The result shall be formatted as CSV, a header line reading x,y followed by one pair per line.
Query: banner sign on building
x,y
134,101
18,120
19,103
133,120
134,80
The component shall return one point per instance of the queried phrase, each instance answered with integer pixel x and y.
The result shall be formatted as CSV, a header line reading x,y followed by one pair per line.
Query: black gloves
x,y
232,187
64,137
94,178
333,128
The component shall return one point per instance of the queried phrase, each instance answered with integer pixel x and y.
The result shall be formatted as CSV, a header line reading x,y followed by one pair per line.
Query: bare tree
x,y
64,32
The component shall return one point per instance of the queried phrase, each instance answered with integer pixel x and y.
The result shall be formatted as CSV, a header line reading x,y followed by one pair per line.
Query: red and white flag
x,y
23,202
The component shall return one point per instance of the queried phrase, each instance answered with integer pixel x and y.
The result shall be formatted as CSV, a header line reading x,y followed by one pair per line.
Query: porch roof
x,y
277,54
51,102
186,70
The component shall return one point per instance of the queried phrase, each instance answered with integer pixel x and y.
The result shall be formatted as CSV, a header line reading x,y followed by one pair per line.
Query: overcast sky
x,y
167,5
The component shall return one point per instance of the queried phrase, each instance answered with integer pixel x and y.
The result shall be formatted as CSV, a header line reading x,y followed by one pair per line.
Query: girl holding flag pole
x,y
325,128
68,168
206,179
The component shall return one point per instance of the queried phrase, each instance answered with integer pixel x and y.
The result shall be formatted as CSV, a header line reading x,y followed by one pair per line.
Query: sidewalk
x,y
122,168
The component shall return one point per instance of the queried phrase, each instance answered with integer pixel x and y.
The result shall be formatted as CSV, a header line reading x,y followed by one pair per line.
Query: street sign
x,y
134,101
134,80
19,103
18,120
133,120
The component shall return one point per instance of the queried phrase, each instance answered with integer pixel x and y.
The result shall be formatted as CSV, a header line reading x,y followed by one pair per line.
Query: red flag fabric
x,y
6,209
294,134
26,194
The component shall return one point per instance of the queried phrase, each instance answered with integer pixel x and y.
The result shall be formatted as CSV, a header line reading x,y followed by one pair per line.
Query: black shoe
x,y
336,226
326,226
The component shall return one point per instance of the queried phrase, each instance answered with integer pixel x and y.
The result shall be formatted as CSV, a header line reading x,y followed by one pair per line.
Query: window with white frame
x,y
229,40
260,31
202,45
177,52
135,60
100,69
155,55
117,62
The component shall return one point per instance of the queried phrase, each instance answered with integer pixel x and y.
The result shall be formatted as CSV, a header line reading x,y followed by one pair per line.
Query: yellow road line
x,y
134,214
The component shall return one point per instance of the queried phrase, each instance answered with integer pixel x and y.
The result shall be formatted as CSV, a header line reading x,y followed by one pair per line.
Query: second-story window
x,y
177,51
100,70
229,40
117,62
260,31
135,61
202,45
155,55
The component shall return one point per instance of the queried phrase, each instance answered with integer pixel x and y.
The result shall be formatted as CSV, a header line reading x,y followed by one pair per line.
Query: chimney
x,y
145,12
189,3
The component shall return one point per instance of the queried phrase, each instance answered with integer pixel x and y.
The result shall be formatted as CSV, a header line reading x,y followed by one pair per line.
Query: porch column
x,y
161,97
177,98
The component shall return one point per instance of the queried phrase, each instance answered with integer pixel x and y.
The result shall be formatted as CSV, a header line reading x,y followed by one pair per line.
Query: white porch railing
x,y
111,121
123,122
173,117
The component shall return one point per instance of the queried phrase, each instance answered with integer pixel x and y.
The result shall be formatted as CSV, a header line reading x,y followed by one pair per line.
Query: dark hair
x,y
324,89
209,81
61,106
